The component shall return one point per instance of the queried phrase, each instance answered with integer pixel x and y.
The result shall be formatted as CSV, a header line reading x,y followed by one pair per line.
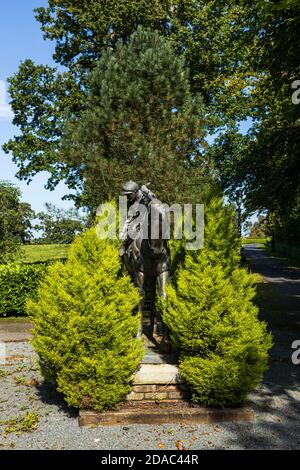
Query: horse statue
x,y
145,251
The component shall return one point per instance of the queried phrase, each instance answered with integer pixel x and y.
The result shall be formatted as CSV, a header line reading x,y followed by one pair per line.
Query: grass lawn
x,y
36,253
260,241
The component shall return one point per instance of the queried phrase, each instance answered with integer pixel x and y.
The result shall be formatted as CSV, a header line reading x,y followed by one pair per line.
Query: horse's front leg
x,y
140,282
152,295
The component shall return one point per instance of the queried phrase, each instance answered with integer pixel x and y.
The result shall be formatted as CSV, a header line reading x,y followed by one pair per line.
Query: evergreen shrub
x,y
85,329
213,323
18,283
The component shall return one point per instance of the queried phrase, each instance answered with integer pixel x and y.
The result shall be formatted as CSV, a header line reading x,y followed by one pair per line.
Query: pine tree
x,y
85,330
141,122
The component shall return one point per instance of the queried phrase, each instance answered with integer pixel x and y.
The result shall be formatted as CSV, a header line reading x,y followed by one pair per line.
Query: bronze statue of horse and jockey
x,y
145,250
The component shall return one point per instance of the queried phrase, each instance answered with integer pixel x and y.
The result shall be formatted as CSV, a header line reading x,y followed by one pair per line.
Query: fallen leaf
x,y
179,445
161,445
33,382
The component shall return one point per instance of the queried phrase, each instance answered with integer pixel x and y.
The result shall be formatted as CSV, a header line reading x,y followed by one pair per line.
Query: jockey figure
x,y
135,198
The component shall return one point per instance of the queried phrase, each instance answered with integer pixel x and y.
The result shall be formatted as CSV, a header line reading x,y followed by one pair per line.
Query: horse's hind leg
x,y
152,295
140,282
162,284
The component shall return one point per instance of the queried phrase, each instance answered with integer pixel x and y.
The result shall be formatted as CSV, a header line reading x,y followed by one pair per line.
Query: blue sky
x,y
20,39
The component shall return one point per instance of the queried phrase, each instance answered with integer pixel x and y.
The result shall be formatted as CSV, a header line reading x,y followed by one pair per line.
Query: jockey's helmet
x,y
129,188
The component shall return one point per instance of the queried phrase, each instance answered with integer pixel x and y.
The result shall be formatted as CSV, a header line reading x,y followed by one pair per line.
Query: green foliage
x,y
223,347
18,283
140,122
275,144
15,221
218,381
221,241
40,98
212,320
227,153
215,40
59,225
25,423
259,229
30,421
85,330
291,253
242,57
259,241
267,159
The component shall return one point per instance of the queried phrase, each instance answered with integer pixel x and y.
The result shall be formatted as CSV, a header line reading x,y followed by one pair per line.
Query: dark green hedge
x,y
18,283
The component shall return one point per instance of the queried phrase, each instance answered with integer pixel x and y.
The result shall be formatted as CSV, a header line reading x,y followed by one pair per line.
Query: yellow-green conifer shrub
x,y
212,320
213,323
85,325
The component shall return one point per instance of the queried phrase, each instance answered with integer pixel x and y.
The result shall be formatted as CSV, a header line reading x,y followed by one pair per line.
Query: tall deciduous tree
x,y
272,163
59,225
266,162
15,221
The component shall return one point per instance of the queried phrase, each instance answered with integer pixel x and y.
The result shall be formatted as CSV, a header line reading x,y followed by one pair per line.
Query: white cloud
x,y
6,113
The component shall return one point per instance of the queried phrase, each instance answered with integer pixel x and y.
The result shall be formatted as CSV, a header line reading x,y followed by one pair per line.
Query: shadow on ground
x,y
49,395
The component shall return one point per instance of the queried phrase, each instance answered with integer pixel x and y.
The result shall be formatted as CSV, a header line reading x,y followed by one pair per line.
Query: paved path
x,y
279,300
276,401
286,279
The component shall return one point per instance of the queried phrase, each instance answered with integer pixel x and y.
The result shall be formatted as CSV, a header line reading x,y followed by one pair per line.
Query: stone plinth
x,y
157,379
157,393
